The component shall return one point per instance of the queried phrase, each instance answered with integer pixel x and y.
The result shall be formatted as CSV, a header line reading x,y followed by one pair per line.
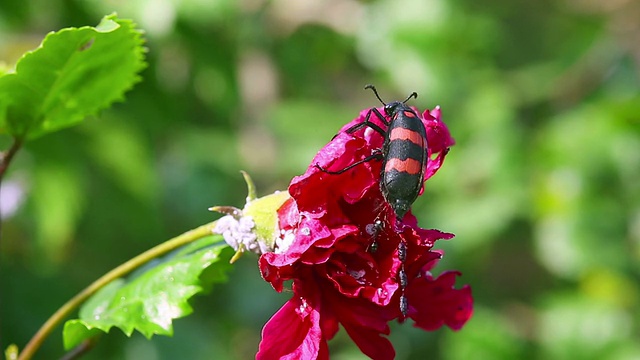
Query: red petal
x,y
438,135
292,335
288,214
433,303
365,323
328,189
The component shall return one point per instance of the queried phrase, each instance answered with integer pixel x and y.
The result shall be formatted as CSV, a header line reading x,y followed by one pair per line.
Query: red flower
x,y
325,248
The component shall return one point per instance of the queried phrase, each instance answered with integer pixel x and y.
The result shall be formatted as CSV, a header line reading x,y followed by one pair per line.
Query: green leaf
x,y
73,74
155,295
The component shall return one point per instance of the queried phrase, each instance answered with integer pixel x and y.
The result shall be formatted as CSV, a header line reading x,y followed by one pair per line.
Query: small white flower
x,y
238,231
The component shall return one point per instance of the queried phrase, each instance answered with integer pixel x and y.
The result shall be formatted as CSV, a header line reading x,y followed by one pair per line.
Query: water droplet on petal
x,y
370,229
358,275
305,231
382,293
303,306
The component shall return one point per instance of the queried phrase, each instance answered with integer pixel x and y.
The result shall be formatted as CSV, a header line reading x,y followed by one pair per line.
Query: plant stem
x,y
46,329
5,160
81,349
8,155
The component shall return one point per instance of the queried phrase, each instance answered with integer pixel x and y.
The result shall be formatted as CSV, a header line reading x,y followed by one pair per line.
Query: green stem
x,y
172,244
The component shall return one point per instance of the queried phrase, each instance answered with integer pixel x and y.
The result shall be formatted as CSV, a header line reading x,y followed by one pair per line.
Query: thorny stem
x,y
55,319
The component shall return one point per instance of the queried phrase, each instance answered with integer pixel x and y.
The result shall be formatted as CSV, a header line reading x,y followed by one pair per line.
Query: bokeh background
x,y
542,188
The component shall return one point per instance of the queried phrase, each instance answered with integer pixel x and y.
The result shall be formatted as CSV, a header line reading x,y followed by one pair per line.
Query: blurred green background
x,y
542,188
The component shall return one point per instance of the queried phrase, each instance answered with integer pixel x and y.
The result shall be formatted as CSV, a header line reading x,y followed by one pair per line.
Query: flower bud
x,y
254,228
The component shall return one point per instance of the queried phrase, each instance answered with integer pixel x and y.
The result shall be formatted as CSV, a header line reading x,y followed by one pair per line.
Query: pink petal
x,y
293,334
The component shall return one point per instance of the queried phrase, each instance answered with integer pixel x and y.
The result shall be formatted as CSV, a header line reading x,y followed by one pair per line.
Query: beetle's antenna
x,y
376,92
413,95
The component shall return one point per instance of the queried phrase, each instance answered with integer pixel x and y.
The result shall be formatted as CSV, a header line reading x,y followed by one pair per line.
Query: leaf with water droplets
x,y
150,298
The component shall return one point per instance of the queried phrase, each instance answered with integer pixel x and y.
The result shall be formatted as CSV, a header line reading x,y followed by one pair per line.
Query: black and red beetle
x,y
404,161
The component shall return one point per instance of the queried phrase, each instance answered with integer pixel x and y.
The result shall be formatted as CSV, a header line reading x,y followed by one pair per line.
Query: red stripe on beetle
x,y
410,166
400,133
410,114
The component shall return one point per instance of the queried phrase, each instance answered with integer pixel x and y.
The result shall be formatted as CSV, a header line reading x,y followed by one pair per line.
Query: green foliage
x,y
153,296
74,73
584,327
489,336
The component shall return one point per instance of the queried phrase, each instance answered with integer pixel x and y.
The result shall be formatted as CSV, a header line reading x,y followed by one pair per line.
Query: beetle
x,y
403,155
404,161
